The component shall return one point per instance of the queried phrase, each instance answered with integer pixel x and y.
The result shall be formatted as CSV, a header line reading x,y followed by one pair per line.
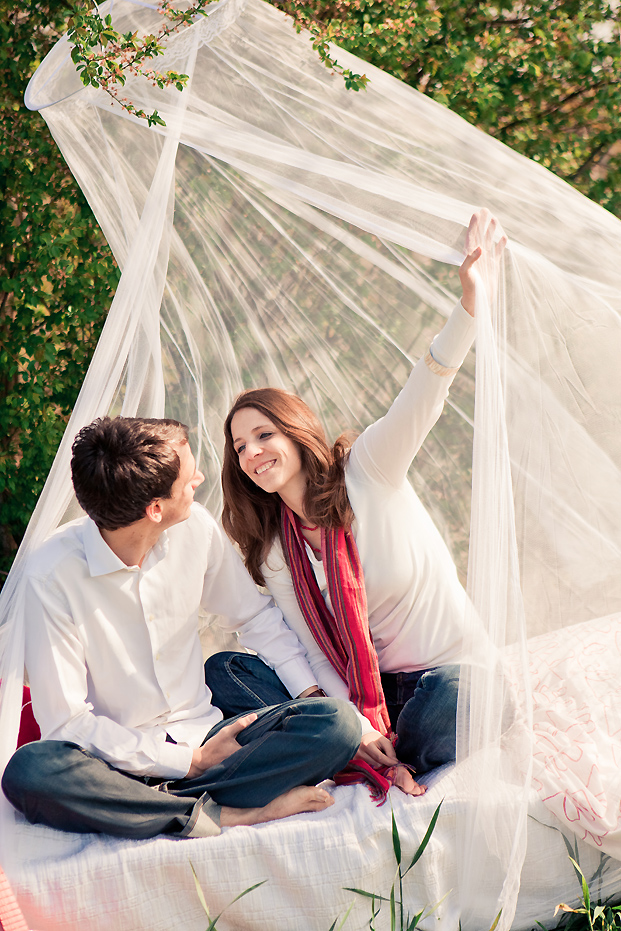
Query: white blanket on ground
x,y
94,883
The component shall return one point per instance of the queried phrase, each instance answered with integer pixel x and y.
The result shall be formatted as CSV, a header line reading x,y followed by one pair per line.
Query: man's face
x,y
177,508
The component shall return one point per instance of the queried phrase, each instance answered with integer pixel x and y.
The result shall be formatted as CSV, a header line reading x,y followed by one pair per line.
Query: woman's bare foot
x,y
404,780
302,798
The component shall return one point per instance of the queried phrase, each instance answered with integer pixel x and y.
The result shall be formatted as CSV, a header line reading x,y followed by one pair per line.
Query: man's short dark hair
x,y
120,464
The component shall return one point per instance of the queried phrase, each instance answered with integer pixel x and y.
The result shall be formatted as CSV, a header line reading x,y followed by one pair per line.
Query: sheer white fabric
x,y
281,229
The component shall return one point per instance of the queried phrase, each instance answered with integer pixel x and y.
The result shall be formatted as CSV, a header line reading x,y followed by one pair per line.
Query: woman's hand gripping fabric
x,y
485,244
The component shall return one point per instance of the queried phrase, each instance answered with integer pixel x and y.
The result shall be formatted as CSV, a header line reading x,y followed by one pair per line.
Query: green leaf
x,y
333,926
396,840
494,924
199,891
426,839
368,895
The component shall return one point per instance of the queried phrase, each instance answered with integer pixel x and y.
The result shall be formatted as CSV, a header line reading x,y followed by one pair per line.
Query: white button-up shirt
x,y
113,653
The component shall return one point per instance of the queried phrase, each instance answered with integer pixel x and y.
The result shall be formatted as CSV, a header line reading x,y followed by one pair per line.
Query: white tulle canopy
x,y
281,229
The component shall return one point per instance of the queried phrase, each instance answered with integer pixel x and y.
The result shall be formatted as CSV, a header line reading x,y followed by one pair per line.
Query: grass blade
x,y
369,895
199,892
414,922
212,924
495,921
246,891
586,895
333,926
425,840
396,840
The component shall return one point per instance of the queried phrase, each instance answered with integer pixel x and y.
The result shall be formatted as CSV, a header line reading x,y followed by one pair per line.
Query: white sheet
x,y
94,883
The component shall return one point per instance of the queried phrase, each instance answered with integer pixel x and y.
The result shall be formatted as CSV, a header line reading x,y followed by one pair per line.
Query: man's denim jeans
x,y
290,744
422,705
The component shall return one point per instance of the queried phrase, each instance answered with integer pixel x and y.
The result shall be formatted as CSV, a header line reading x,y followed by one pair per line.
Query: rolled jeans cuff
x,y
204,820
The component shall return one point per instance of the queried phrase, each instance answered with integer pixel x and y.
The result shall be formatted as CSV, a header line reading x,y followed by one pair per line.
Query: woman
x,y
348,552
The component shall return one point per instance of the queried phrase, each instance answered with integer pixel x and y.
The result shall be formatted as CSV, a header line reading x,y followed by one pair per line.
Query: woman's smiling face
x,y
268,457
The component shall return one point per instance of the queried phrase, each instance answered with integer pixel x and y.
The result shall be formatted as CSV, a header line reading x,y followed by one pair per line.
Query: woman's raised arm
x,y
384,452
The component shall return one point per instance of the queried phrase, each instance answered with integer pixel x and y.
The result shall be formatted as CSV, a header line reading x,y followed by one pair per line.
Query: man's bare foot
x,y
302,798
404,780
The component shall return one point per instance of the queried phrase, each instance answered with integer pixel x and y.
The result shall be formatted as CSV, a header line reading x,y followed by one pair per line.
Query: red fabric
x,y
344,637
378,780
28,727
11,918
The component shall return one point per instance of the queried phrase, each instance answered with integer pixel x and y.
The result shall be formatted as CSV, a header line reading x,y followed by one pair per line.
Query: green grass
x,y
588,916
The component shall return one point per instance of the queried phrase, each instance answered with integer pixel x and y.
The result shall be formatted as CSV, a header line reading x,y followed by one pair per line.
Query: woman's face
x,y
266,455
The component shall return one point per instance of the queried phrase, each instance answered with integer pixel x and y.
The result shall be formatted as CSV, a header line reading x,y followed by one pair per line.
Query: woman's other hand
x,y
485,243
376,750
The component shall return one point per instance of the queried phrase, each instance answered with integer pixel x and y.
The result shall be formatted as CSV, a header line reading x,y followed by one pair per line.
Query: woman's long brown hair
x,y
251,516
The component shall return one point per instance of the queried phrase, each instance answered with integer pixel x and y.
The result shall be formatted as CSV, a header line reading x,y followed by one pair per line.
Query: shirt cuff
x,y
451,345
173,761
294,675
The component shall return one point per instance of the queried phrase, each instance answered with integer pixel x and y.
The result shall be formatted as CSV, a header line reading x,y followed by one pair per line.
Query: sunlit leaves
x,y
544,77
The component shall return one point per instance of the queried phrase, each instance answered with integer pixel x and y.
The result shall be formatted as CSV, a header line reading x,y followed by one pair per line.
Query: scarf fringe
x,y
379,781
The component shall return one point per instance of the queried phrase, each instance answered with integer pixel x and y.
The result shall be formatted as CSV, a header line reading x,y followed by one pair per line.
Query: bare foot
x,y
302,798
404,780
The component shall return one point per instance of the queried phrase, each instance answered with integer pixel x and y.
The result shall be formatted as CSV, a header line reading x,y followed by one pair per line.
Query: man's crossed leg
x,y
284,751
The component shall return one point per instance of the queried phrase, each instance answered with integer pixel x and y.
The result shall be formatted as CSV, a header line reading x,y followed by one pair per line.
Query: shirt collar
x,y
102,561
100,558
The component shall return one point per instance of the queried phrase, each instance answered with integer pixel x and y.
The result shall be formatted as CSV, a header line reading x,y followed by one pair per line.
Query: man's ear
x,y
153,511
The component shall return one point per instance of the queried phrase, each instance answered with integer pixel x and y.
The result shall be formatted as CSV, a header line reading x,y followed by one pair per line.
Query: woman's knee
x,y
219,662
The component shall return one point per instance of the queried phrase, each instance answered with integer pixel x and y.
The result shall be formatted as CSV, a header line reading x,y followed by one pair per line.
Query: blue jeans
x,y
293,743
423,712
422,705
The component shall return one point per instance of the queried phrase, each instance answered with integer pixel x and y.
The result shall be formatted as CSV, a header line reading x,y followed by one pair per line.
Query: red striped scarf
x,y
344,637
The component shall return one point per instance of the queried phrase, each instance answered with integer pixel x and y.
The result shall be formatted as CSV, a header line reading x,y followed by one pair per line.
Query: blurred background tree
x,y
543,77
57,276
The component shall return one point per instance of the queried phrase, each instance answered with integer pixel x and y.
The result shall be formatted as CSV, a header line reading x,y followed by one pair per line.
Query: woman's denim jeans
x,y
422,705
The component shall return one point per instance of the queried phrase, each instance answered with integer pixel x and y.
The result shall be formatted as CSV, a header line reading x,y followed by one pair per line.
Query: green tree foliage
x,y
542,76
57,276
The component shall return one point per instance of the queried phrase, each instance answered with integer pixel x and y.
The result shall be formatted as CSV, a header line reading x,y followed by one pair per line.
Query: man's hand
x,y
376,750
482,251
219,747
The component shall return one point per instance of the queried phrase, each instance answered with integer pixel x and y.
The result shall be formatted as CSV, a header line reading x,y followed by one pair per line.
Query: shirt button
x,y
157,655
151,617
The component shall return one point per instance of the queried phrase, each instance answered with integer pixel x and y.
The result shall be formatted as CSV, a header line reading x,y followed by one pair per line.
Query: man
x,y
132,745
